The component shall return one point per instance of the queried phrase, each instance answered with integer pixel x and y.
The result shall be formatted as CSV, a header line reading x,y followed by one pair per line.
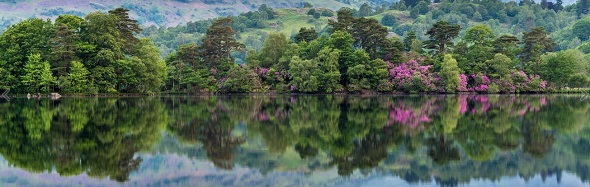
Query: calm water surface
x,y
462,140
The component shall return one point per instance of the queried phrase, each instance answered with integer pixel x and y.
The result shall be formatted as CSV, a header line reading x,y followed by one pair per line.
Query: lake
x,y
300,140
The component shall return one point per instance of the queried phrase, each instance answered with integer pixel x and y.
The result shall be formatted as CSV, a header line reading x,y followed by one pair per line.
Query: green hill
x,y
154,12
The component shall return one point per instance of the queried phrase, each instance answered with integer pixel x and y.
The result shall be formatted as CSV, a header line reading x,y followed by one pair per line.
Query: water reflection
x,y
75,136
451,139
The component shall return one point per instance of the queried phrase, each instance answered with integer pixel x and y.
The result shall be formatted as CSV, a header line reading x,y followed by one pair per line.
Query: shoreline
x,y
46,96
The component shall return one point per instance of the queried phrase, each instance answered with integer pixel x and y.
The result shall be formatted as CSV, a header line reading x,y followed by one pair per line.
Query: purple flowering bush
x,y
517,81
413,78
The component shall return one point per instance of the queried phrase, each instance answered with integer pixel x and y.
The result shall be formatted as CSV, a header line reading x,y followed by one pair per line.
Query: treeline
x,y
102,54
359,56
96,54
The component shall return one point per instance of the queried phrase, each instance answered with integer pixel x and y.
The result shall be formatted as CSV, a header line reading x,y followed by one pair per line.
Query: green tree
x,y
218,44
343,42
422,7
63,45
507,45
306,75
306,35
582,7
582,29
441,36
77,79
389,20
275,46
559,68
343,22
364,73
479,35
311,12
17,43
475,48
127,27
47,79
328,63
450,74
370,36
500,66
536,42
409,39
38,75
365,10
240,79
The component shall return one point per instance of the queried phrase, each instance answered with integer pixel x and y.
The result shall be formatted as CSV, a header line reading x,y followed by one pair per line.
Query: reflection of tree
x,y
449,138
442,151
209,122
537,141
97,137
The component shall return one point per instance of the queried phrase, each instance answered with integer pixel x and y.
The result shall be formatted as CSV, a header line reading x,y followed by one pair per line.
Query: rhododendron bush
x,y
412,77
517,81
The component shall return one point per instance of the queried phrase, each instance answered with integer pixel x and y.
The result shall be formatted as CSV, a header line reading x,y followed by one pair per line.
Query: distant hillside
x,y
156,12
161,12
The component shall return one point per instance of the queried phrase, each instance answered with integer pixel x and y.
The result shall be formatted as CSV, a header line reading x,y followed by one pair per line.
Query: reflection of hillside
x,y
98,137
451,138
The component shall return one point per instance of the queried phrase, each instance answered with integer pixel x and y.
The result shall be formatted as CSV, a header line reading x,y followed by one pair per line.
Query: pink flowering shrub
x,y
517,81
273,78
463,83
411,77
527,83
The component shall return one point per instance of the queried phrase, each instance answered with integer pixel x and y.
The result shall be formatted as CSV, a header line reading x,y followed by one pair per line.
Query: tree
x,y
306,75
536,42
364,73
582,8
441,36
365,10
240,79
421,8
559,68
479,35
218,44
38,75
274,47
410,37
500,66
450,74
77,79
127,27
306,35
17,43
328,63
475,48
411,3
582,29
507,45
343,22
370,36
311,12
342,41
63,45
388,20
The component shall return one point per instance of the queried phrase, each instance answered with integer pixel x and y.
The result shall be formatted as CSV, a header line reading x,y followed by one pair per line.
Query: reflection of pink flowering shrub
x,y
480,104
403,114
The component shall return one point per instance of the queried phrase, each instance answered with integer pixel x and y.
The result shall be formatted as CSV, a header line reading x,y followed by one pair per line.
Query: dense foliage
x,y
97,54
355,52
